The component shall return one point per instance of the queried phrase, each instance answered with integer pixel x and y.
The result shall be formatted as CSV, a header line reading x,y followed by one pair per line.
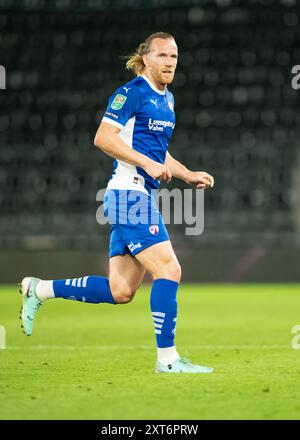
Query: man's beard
x,y
163,81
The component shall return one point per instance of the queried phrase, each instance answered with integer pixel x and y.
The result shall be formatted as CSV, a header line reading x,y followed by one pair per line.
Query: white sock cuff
x,y
167,356
44,289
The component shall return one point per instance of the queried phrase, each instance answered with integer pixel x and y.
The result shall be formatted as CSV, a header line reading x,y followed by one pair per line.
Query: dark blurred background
x,y
237,118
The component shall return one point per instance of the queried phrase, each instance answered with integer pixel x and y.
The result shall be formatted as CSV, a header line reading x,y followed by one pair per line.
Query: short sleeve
x,y
122,105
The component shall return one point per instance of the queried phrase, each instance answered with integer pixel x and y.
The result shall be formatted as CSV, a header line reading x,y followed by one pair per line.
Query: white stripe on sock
x,y
161,314
158,320
79,282
74,282
84,281
158,332
68,282
157,325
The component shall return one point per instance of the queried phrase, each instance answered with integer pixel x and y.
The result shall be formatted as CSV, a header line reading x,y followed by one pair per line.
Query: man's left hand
x,y
200,179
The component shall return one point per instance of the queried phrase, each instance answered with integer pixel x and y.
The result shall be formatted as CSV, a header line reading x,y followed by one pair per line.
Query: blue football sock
x,y
90,289
164,311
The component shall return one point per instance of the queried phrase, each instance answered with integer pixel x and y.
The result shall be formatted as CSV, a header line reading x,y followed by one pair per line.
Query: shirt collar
x,y
161,92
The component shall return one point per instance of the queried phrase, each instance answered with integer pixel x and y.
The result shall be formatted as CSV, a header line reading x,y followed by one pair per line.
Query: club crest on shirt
x,y
154,229
170,106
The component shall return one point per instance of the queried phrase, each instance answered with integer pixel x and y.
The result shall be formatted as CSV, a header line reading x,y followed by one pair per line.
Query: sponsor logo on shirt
x,y
118,102
154,101
156,125
111,114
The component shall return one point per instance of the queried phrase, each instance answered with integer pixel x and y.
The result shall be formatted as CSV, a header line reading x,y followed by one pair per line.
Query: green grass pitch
x,y
88,361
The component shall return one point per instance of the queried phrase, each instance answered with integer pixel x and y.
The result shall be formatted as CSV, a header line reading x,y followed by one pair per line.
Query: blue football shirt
x,y
146,118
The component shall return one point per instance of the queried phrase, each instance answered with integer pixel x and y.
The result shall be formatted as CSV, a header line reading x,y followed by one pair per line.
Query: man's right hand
x,y
158,171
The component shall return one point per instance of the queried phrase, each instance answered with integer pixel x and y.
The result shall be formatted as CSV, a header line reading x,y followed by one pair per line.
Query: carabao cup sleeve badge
x,y
118,102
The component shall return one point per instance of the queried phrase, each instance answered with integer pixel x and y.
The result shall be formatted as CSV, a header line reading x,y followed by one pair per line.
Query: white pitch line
x,y
147,347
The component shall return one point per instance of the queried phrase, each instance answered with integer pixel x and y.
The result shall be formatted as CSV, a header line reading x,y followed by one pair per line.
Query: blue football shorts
x,y
135,221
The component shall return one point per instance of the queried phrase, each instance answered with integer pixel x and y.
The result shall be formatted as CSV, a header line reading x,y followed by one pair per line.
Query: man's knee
x,y
170,271
122,294
175,271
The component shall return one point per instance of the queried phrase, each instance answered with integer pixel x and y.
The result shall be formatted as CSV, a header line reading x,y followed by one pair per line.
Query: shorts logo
x,y
132,246
118,102
154,229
